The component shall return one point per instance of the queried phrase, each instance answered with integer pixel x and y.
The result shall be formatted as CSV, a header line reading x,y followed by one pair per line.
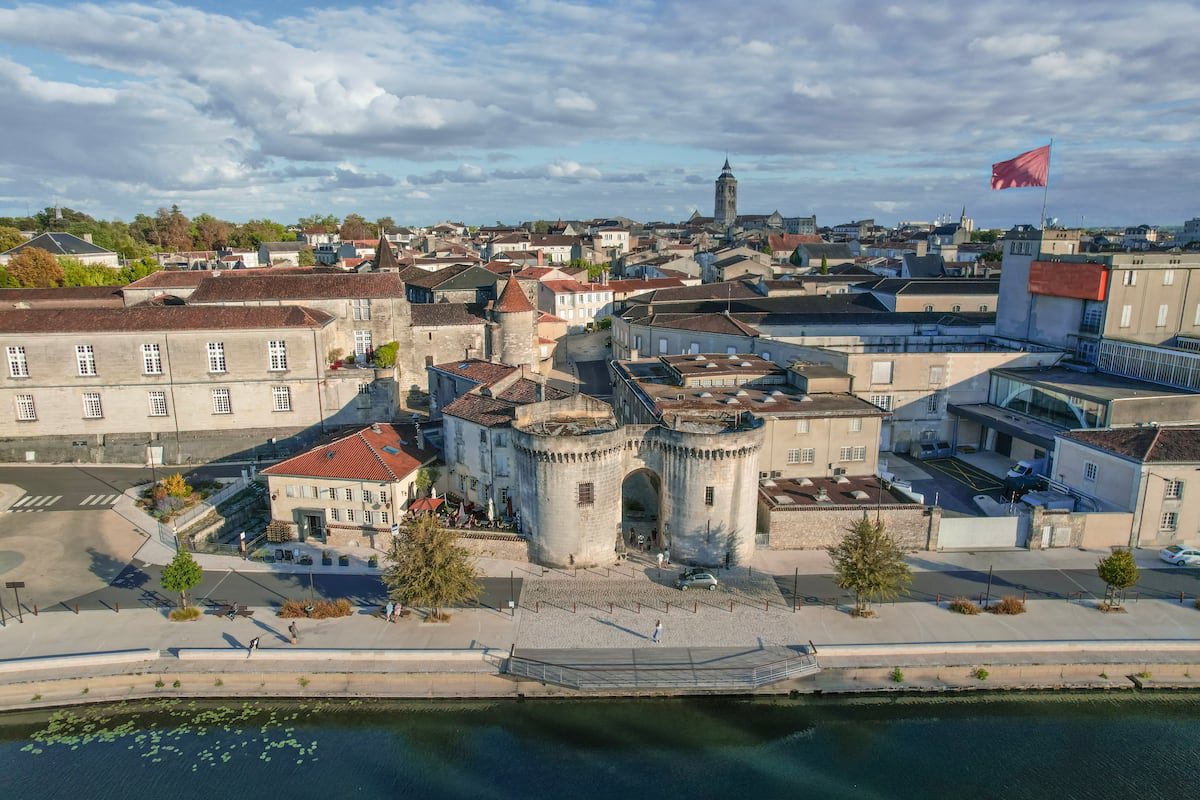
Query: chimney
x,y
375,428
538,392
420,438
87,237
539,257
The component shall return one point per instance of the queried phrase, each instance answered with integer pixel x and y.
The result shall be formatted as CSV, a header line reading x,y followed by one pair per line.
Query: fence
x,y
661,676
166,531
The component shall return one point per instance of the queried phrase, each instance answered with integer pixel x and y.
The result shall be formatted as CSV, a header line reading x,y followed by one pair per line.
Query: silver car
x,y
1181,556
701,580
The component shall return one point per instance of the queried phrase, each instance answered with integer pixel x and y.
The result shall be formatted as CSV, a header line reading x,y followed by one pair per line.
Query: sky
x,y
527,109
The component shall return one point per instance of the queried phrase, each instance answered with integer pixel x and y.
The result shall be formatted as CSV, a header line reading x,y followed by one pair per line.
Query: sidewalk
x,y
816,562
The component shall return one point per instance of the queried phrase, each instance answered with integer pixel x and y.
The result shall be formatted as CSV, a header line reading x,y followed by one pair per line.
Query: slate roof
x,y
930,266
512,299
434,315
481,410
65,296
1149,444
827,249
159,318
524,390
385,259
924,286
476,369
60,244
389,455
313,286
456,276
284,247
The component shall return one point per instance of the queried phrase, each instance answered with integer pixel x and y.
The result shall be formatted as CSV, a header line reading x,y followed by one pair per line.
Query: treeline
x,y
169,229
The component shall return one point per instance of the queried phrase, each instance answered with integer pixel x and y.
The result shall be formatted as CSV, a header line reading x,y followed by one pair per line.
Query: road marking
x,y
25,499
99,500
30,501
87,500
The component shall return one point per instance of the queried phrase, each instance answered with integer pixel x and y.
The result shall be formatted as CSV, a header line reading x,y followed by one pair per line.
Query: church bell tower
x,y
725,205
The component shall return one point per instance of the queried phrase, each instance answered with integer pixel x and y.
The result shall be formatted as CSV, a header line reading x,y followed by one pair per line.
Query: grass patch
x,y
85,690
185,614
980,674
176,684
35,698
897,675
158,684
317,609
1104,675
218,682
1144,675
961,605
1010,605
303,681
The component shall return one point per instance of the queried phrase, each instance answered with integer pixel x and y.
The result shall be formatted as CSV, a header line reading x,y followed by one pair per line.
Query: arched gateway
x,y
573,458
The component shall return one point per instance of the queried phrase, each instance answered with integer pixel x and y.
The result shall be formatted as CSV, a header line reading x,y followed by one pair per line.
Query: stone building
x,y
725,202
574,462
513,328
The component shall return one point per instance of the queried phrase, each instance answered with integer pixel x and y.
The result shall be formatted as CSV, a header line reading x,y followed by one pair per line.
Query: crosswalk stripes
x,y
99,500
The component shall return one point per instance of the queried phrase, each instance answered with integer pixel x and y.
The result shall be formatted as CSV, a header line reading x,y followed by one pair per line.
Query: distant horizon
x,y
570,108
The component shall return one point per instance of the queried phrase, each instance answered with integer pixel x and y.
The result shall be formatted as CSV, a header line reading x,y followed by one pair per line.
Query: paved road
x,y
138,586
1040,584
593,379
87,487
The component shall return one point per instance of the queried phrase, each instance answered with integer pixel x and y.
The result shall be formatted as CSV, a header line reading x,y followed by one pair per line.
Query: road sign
x,y
15,585
395,529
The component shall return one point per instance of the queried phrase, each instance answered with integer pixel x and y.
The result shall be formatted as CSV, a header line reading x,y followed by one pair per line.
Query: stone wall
x,y
915,527
509,548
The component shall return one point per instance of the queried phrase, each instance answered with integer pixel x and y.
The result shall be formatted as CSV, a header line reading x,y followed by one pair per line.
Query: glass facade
x,y
1045,404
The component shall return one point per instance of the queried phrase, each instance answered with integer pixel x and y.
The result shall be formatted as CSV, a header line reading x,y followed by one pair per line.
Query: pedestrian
x,y
632,537
252,647
659,557
295,634
242,548
641,542
667,556
388,609
657,632
654,537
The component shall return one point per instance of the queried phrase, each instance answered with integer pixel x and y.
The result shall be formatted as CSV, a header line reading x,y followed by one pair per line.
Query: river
x,y
1087,746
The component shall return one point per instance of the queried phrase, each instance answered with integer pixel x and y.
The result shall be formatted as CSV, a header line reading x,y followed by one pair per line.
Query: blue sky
x,y
536,108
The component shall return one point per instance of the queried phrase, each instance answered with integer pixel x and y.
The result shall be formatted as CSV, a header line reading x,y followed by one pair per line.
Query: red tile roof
x,y
486,411
546,316
478,370
512,299
575,287
1164,444
387,455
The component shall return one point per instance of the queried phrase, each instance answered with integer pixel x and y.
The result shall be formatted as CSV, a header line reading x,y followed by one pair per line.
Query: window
x,y
361,309
983,307
362,343
367,495
1169,521
662,346
277,354
793,455
935,375
956,308
1173,490
637,340
860,454
158,404
349,494
26,412
585,494
282,395
151,359
1168,277
364,388
1129,278
1126,314
91,405
884,401
766,355
802,426
85,359
383,517
383,496
845,453
18,367
309,492
1161,322
335,515
503,494
349,515
333,493
290,491
929,308
709,495
881,372
216,356
852,454
855,424
1090,471
931,404
730,351
220,402
368,518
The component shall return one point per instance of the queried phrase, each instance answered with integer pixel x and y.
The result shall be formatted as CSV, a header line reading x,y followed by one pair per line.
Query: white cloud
x,y
571,169
756,47
817,91
417,194
573,101
37,89
889,206
1016,45
1063,66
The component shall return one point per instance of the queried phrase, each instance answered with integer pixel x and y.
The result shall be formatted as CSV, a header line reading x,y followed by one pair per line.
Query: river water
x,y
1093,746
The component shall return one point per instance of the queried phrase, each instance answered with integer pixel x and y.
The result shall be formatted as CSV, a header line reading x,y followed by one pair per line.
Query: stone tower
x,y
513,328
725,205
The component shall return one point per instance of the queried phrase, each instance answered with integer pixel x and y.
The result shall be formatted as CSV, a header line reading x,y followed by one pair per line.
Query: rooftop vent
x,y
775,393
710,365
740,393
731,401
330,454
706,394
769,483
859,494
734,356
375,428
699,358
387,448
744,364
463,366
768,399
804,482
783,499
805,398
842,479
822,495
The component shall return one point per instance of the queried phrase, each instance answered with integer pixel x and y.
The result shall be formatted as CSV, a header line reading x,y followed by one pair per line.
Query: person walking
x,y
388,609
641,542
657,635
632,536
252,647
659,557
667,556
295,634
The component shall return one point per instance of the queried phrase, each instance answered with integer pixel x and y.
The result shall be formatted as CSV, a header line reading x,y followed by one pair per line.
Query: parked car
x,y
697,579
1182,556
1026,475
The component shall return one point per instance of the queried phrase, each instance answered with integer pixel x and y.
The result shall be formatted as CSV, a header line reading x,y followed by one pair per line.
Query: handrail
x,y
807,657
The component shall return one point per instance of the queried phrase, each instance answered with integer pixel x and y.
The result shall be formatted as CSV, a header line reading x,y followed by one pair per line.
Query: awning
x,y
1018,426
426,504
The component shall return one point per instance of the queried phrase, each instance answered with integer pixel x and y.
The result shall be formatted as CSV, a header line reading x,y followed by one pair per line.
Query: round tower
x,y
725,205
514,327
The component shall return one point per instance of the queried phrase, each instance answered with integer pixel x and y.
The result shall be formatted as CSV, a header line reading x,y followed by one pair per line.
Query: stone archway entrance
x,y
641,509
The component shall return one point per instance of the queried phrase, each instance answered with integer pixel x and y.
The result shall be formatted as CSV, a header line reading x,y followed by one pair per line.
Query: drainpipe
x,y
317,372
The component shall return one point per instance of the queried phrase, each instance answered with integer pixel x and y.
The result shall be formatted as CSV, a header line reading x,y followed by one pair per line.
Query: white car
x,y
1183,556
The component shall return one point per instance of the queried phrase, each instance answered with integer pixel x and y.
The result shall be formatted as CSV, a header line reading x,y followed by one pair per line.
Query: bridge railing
x,y
623,676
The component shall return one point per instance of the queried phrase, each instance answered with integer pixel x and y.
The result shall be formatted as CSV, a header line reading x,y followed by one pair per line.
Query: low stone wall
x,y
509,548
812,528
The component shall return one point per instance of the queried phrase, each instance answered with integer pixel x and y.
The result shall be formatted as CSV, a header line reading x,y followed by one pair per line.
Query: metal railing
x,y
166,531
661,676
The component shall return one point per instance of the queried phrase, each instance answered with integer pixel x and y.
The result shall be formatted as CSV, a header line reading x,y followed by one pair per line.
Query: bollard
x,y
639,608
77,605
696,610
537,606
610,608
1024,597
668,607
730,606
35,609
767,605
572,608
118,606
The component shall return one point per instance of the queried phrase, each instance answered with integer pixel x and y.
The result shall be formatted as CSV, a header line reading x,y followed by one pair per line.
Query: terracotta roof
x,y
315,286
387,455
486,411
546,316
524,390
478,370
787,242
1148,444
501,266
576,287
183,278
628,285
160,318
432,315
512,299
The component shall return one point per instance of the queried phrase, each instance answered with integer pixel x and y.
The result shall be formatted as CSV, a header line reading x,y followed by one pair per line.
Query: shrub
x,y
1009,604
385,355
302,681
321,609
1144,675
158,684
897,675
218,682
158,493
176,684
335,355
185,614
176,486
979,674
961,605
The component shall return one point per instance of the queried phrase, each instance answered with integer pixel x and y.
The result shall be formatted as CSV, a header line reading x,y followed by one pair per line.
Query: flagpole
x,y
1046,190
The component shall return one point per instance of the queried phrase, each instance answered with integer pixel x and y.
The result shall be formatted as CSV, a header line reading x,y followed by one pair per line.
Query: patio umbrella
x,y
491,511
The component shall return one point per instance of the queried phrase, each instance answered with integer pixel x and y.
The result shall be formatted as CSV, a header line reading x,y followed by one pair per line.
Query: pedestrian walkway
x,y
98,500
32,503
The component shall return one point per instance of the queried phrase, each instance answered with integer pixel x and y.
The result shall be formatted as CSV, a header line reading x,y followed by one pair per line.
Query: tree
x,y
181,575
34,267
385,355
1119,572
306,257
384,224
210,233
172,229
427,478
356,227
767,249
9,238
428,568
869,563
76,273
318,223
824,265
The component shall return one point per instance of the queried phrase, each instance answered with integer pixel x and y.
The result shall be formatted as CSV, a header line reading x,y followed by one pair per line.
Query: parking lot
x,y
950,482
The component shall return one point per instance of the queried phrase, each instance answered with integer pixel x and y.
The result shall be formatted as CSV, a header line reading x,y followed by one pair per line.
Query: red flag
x,y
1027,169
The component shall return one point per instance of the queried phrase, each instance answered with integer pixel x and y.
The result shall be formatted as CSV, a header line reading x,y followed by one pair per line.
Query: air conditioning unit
x,y
775,473
839,470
